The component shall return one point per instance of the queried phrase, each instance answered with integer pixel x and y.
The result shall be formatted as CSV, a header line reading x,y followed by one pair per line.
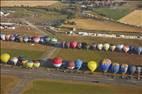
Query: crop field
x,y
7,82
22,30
72,87
12,3
89,24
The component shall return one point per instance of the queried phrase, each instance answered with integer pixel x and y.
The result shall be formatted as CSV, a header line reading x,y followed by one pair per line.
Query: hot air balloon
x,y
115,68
73,44
7,37
106,46
36,64
139,71
126,49
63,44
12,38
42,40
29,64
131,70
93,46
112,47
20,59
139,50
92,66
5,57
71,65
26,39
78,64
67,44
105,65
24,63
100,46
124,68
79,45
36,39
14,61
47,39
119,47
53,41
84,45
57,62
2,36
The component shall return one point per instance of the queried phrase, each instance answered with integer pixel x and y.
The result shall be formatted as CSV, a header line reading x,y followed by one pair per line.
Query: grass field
x,y
7,82
87,55
12,3
72,87
92,24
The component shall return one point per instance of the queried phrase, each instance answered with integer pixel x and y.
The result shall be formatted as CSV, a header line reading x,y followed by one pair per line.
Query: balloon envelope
x,y
100,46
36,39
105,65
78,64
73,44
132,69
115,68
106,46
29,64
14,60
112,48
36,64
57,62
124,68
5,57
126,49
120,47
71,65
92,66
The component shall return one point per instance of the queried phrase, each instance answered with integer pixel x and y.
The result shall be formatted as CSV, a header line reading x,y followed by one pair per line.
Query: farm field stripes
x,y
12,3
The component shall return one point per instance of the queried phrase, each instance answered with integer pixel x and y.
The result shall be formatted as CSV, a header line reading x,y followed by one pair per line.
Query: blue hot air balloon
x,y
131,69
139,50
106,63
78,64
115,68
124,68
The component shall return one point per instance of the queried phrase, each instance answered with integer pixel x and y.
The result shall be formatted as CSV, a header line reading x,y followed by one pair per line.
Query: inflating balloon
x,y
92,66
5,57
57,62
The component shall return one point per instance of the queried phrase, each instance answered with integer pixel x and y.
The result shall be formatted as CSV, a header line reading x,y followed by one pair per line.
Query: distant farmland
x,y
12,3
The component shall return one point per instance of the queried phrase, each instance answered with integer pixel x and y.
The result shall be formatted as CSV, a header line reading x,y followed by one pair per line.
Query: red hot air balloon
x,y
57,62
73,44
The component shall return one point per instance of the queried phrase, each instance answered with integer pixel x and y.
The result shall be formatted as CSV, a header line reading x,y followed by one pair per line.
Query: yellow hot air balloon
x,y
92,65
36,64
5,57
29,64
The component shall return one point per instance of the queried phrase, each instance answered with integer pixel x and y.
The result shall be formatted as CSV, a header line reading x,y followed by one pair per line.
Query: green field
x,y
115,14
26,53
64,87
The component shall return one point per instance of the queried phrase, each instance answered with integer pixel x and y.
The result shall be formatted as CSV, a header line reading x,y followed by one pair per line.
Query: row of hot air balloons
x,y
106,65
25,38
19,61
72,44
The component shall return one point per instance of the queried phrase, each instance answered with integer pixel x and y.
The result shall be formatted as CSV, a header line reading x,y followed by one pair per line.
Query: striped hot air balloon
x,y
57,62
105,65
115,68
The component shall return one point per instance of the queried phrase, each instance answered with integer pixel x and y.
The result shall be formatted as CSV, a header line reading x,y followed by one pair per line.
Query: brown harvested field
x,y
23,46
22,30
12,3
134,18
92,24
7,82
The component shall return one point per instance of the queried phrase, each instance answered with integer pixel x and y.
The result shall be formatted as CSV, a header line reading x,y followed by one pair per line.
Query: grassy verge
x,y
64,87
7,82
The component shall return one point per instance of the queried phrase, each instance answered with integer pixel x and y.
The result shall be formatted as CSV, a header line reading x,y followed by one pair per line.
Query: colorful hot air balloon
x,y
14,60
7,37
79,45
36,39
115,68
124,68
73,44
119,47
53,41
26,39
106,46
132,69
29,64
36,64
100,46
67,44
3,36
106,63
126,49
71,65
5,57
78,64
57,62
112,48
92,66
